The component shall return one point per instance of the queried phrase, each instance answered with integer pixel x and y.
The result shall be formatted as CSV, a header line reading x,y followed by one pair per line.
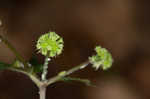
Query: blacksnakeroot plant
x,y
50,45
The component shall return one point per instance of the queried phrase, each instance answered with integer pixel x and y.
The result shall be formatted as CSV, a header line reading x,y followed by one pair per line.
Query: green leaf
x,y
85,81
37,67
4,66
50,44
102,59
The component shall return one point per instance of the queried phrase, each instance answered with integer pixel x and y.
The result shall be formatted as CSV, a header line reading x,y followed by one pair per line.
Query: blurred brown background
x,y
121,26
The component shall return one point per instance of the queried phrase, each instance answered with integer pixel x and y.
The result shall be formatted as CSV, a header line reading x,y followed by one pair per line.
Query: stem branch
x,y
31,76
74,69
18,56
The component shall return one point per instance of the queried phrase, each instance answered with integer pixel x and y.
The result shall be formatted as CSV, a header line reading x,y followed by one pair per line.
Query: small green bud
x,y
17,64
62,73
50,44
103,58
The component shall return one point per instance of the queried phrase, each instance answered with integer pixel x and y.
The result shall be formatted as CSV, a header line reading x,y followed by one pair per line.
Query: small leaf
x,y
85,81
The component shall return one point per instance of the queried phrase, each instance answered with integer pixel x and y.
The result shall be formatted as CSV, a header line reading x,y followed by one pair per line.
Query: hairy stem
x,y
45,68
74,69
79,67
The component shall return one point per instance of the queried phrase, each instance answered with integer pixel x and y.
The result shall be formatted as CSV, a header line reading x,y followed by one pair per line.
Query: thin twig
x,y
18,56
31,76
74,69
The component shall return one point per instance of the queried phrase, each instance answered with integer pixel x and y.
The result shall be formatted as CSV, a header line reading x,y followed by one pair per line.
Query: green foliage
x,y
37,67
102,59
4,66
50,44
70,79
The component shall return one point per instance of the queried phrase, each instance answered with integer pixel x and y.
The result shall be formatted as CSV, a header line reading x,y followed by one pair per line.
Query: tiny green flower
x,y
103,58
50,44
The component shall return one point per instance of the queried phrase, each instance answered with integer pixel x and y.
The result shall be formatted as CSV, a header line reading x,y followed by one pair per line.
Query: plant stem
x,y
34,78
42,92
74,69
18,56
45,68
79,67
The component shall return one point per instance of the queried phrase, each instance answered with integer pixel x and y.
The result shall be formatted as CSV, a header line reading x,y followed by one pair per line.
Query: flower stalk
x,y
45,68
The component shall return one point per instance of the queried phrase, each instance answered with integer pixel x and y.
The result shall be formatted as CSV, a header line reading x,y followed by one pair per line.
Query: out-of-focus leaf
x,y
37,67
4,66
70,79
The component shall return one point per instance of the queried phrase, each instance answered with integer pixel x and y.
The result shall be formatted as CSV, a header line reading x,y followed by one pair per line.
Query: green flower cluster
x,y
50,44
102,59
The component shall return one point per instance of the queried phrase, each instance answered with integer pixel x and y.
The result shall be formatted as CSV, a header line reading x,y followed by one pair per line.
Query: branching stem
x,y
35,79
74,69
53,40
43,83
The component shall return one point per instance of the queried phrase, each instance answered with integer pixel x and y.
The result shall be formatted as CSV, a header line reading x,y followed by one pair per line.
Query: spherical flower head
x,y
50,44
102,59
